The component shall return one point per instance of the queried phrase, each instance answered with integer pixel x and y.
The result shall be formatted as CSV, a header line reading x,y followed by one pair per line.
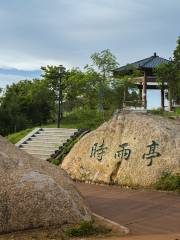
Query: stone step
x,y
46,140
43,157
39,151
52,143
28,146
50,137
59,129
57,132
41,142
53,135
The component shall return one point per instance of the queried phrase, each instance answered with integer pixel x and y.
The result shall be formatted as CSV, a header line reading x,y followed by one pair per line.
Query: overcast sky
x,y
40,32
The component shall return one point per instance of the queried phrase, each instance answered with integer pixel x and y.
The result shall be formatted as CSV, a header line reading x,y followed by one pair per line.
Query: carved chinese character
x,y
152,152
98,151
124,153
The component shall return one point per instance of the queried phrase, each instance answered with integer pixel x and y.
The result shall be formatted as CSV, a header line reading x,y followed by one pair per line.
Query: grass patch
x,y
55,162
85,118
86,229
168,182
160,112
16,137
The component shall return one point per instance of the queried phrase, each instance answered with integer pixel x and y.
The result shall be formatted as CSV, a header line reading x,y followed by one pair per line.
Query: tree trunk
x,y
170,99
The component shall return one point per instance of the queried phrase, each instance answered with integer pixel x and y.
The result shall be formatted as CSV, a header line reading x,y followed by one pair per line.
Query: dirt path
x,y
148,214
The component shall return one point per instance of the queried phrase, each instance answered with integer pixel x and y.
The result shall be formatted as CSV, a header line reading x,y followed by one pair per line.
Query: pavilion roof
x,y
147,63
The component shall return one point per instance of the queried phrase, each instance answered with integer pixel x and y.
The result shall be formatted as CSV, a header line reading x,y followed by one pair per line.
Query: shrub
x,y
85,229
55,162
15,137
168,182
86,118
160,112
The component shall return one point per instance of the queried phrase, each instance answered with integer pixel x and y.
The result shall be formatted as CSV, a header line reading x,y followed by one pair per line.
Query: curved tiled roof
x,y
150,63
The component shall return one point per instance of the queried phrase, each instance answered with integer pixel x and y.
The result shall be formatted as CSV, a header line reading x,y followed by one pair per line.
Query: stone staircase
x,y
45,142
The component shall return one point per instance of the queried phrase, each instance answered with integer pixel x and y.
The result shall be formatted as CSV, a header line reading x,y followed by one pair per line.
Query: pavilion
x,y
148,79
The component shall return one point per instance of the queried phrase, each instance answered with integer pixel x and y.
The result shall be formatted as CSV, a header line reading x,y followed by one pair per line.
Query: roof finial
x,y
155,55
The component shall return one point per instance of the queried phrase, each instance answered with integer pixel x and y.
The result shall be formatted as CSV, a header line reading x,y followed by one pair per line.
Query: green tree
x,y
81,88
177,68
74,89
55,78
177,54
105,62
24,104
167,73
41,107
170,73
125,89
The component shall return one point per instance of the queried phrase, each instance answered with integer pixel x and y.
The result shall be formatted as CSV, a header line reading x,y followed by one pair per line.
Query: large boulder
x,y
131,149
34,193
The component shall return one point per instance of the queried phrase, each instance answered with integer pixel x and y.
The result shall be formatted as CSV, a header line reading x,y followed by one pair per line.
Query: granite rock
x,y
34,193
131,149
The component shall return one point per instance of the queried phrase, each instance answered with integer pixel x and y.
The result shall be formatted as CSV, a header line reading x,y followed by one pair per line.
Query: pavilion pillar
x,y
162,96
140,93
144,90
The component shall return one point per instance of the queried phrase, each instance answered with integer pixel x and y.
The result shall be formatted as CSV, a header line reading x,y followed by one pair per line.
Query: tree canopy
x,y
170,73
105,61
25,104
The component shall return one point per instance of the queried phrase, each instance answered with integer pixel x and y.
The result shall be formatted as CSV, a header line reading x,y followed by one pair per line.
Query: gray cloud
x,y
38,32
8,79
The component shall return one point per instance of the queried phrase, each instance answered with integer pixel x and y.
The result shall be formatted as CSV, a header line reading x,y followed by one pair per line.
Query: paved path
x,y
145,213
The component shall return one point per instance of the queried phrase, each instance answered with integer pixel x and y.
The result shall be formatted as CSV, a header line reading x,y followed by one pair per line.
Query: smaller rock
x,y
35,194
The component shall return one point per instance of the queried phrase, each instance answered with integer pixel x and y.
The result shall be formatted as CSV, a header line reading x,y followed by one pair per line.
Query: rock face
x,y
130,149
34,193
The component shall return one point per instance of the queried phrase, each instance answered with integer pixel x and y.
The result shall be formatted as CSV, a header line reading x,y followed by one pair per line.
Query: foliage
x,y
124,87
165,113
168,182
86,118
170,73
33,103
177,54
78,118
25,104
88,90
54,76
105,61
55,162
16,137
51,74
86,229
81,89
